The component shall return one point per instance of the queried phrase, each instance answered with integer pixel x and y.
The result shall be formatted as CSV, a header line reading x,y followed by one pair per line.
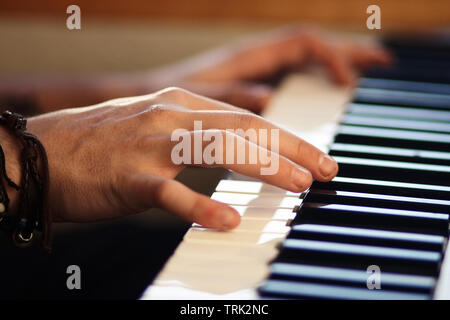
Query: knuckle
x,y
174,94
161,118
245,120
157,111
299,150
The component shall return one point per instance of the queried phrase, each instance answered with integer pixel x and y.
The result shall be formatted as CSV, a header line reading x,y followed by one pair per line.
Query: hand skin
x,y
113,159
232,73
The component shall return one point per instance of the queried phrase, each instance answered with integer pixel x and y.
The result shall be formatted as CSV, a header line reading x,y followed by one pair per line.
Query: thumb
x,y
146,191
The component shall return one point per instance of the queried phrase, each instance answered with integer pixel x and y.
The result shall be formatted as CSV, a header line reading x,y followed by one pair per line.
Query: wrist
x,y
11,148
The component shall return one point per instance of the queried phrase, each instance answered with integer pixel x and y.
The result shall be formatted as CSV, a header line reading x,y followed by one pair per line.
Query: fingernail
x,y
228,218
327,165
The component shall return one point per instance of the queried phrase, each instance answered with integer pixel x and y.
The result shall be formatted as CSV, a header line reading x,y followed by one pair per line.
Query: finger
x,y
220,115
147,191
363,56
229,150
321,166
336,63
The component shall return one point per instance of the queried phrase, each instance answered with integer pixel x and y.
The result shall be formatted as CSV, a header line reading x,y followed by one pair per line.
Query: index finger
x,y
321,165
219,115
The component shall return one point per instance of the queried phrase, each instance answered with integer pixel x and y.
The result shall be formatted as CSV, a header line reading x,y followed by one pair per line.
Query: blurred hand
x,y
114,158
234,73
231,73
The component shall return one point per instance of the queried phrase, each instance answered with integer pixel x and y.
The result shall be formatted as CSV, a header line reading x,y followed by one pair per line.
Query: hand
x,y
114,158
231,73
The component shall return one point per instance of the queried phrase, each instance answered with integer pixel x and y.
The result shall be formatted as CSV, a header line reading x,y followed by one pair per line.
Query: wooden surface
x,y
399,14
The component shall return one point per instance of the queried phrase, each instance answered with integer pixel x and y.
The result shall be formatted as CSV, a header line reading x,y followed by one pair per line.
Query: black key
x,y
416,73
398,112
393,138
373,218
435,68
307,290
385,188
377,200
404,124
350,277
402,98
415,66
416,61
418,45
387,153
414,86
372,237
393,170
405,55
356,256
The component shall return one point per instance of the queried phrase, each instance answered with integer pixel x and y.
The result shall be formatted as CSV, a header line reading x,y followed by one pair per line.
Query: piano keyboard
x,y
388,207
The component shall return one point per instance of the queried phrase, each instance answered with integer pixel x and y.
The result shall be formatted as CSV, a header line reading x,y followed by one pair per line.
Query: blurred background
x,y
119,259
129,35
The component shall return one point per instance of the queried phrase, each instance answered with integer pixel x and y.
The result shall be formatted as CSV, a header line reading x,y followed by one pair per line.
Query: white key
x,y
173,290
257,187
258,225
225,281
218,268
208,235
256,200
265,213
230,251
